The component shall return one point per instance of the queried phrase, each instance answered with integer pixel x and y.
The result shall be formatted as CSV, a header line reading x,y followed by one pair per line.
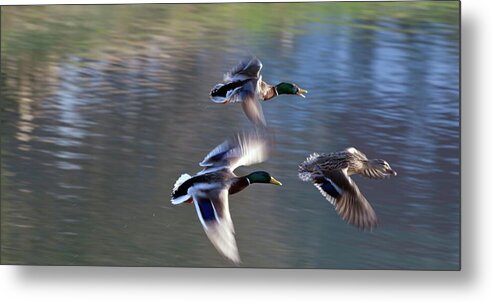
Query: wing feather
x,y
374,173
349,202
247,69
245,149
251,104
213,212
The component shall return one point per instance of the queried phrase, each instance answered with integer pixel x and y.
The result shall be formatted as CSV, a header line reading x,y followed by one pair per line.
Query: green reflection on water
x,y
42,30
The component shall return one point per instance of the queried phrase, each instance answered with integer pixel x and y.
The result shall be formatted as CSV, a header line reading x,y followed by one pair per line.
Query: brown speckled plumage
x,y
330,174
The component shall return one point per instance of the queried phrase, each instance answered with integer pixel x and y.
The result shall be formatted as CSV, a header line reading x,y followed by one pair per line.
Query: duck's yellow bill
x,y
275,182
301,92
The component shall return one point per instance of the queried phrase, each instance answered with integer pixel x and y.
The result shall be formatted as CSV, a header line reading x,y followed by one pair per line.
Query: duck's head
x,y
289,88
382,166
262,177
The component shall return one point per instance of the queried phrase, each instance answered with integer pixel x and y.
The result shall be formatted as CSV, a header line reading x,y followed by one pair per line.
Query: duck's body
x,y
228,179
209,190
244,85
330,174
232,90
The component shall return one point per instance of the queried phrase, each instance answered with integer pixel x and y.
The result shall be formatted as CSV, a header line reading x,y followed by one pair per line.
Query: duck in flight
x,y
330,174
244,85
209,189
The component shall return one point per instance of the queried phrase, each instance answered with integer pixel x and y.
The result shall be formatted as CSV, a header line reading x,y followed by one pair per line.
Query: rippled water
x,y
103,107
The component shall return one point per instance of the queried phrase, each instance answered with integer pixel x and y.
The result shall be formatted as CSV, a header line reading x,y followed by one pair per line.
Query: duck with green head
x,y
244,85
209,189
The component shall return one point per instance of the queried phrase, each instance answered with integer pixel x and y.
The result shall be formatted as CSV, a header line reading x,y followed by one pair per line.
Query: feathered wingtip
x,y
223,240
249,67
306,168
245,148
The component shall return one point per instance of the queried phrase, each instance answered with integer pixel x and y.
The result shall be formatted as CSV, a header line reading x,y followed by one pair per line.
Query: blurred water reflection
x,y
103,107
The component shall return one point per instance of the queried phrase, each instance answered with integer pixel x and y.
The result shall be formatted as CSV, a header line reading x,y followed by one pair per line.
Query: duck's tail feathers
x,y
218,96
308,167
182,198
184,177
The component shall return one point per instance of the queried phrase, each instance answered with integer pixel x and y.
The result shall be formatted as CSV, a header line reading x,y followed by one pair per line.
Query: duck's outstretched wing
x,y
368,172
246,148
249,68
375,173
212,208
341,191
244,92
251,105
371,173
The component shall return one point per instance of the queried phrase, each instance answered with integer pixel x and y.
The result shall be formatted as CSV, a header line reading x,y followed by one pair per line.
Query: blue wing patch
x,y
330,189
207,210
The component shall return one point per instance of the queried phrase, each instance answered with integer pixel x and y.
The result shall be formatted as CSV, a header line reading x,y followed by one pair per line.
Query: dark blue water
x,y
104,107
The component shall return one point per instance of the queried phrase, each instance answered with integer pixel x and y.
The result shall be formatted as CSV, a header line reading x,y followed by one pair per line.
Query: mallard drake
x,y
330,173
244,85
209,190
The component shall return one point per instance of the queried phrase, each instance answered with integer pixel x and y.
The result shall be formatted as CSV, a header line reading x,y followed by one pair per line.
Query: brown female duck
x,y
330,174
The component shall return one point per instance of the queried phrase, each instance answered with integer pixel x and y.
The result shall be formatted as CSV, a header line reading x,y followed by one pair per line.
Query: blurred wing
x,y
246,69
356,153
341,191
213,211
375,174
243,150
371,173
251,104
